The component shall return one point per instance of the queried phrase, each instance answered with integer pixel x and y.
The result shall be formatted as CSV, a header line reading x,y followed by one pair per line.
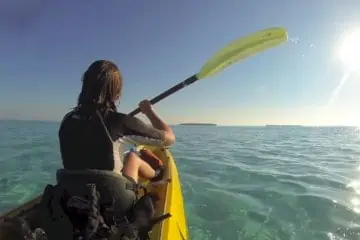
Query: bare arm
x,y
158,123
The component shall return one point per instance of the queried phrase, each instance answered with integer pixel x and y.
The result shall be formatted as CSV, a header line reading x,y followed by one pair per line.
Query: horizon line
x,y
217,125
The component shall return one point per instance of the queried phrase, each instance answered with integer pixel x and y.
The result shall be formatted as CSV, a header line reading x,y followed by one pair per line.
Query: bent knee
x,y
131,155
131,158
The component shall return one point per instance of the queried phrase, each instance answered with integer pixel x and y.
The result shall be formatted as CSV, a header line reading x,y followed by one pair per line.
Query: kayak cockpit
x,y
169,202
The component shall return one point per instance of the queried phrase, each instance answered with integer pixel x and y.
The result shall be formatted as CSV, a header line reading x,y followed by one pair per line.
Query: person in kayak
x,y
96,190
94,134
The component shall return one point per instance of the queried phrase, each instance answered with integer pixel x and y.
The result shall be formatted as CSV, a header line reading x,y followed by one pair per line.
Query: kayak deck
x,y
170,201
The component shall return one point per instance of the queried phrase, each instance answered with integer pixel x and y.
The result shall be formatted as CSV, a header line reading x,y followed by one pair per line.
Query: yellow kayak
x,y
171,201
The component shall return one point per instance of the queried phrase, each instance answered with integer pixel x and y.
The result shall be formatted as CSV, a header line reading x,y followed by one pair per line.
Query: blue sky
x,y
46,45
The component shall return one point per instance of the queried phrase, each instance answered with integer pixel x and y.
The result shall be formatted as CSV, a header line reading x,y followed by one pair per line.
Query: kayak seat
x,y
134,217
112,187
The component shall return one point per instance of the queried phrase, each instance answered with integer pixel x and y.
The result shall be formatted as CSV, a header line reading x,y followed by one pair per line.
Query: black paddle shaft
x,y
168,92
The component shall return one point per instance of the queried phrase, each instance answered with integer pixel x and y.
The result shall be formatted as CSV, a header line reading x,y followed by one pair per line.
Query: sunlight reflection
x,y
356,210
357,133
333,236
355,201
353,184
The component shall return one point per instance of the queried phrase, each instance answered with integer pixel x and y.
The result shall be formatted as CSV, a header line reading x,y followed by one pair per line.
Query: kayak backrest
x,y
17,228
111,186
63,216
83,206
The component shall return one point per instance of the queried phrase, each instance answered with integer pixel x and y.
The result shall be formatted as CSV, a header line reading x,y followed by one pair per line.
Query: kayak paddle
x,y
239,49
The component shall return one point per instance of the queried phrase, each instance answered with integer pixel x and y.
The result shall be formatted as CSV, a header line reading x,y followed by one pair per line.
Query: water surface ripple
x,y
238,182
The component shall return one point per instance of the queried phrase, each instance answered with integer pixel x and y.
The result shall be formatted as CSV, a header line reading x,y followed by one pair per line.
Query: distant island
x,y
283,126
198,124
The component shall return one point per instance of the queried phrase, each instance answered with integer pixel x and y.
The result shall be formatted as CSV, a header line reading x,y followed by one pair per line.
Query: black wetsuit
x,y
99,142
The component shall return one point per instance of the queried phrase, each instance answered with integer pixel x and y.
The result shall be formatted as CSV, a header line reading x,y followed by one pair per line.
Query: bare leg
x,y
134,167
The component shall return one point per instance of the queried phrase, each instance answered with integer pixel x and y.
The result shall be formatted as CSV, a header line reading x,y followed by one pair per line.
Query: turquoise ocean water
x,y
239,182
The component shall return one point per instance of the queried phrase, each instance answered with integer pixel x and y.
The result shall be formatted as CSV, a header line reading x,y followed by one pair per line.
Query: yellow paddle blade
x,y
242,48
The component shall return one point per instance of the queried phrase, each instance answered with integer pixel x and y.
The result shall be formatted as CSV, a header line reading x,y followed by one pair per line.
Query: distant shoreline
x,y
28,120
197,124
202,124
274,125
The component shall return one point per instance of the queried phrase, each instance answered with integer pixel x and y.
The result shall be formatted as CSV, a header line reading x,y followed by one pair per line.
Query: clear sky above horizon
x,y
46,45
